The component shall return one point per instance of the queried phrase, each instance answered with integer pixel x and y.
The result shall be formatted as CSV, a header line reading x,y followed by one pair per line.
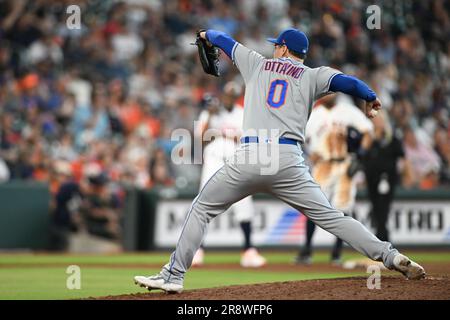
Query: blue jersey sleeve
x,y
222,40
352,86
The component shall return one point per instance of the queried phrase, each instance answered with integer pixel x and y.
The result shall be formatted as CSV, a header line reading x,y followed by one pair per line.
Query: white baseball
x,y
373,112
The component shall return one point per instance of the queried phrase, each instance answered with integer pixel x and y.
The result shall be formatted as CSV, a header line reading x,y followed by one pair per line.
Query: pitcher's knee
x,y
199,212
207,211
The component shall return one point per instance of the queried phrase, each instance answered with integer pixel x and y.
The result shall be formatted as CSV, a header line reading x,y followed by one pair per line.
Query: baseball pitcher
x,y
279,96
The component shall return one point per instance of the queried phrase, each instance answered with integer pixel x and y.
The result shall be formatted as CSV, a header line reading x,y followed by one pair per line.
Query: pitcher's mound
x,y
355,288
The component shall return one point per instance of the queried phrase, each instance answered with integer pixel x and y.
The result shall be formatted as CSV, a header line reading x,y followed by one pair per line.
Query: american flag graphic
x,y
289,229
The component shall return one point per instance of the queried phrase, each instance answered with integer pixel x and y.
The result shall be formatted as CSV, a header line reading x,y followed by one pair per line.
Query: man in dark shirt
x,y
67,203
380,168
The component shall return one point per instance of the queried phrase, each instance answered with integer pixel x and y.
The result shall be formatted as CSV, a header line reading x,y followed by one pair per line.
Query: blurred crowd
x,y
103,100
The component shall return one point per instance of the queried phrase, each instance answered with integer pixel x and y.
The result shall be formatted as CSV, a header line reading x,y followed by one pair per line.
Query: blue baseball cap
x,y
292,38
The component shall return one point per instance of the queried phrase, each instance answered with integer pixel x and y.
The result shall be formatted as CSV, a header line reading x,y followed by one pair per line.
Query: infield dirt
x,y
436,286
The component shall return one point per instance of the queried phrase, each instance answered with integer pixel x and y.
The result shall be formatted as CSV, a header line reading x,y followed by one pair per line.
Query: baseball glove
x,y
209,55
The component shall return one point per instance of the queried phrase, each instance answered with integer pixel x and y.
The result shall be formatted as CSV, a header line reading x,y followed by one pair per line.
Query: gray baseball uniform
x,y
278,99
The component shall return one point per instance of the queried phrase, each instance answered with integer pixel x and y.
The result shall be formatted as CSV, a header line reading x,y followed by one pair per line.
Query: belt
x,y
335,160
338,159
257,140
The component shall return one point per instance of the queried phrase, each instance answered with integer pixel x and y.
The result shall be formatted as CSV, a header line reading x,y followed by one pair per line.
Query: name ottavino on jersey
x,y
284,68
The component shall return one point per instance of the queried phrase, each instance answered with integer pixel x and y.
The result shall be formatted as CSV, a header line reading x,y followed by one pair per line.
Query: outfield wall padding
x,y
24,215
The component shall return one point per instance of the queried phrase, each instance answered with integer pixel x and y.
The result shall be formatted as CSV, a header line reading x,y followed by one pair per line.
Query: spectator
x,y
159,170
4,171
100,208
65,209
91,122
442,148
424,160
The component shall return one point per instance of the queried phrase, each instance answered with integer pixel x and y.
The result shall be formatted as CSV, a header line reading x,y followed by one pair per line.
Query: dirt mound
x,y
355,288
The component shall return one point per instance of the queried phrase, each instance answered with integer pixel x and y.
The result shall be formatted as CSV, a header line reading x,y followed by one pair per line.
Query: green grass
x,y
50,283
215,257
22,277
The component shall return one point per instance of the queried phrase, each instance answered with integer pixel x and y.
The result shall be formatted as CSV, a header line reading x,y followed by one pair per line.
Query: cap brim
x,y
273,40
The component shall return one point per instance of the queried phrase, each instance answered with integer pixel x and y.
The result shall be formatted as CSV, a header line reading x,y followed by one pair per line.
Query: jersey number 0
x,y
276,98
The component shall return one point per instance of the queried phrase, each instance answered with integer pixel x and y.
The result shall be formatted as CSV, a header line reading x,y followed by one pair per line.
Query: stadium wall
x,y
151,221
24,215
